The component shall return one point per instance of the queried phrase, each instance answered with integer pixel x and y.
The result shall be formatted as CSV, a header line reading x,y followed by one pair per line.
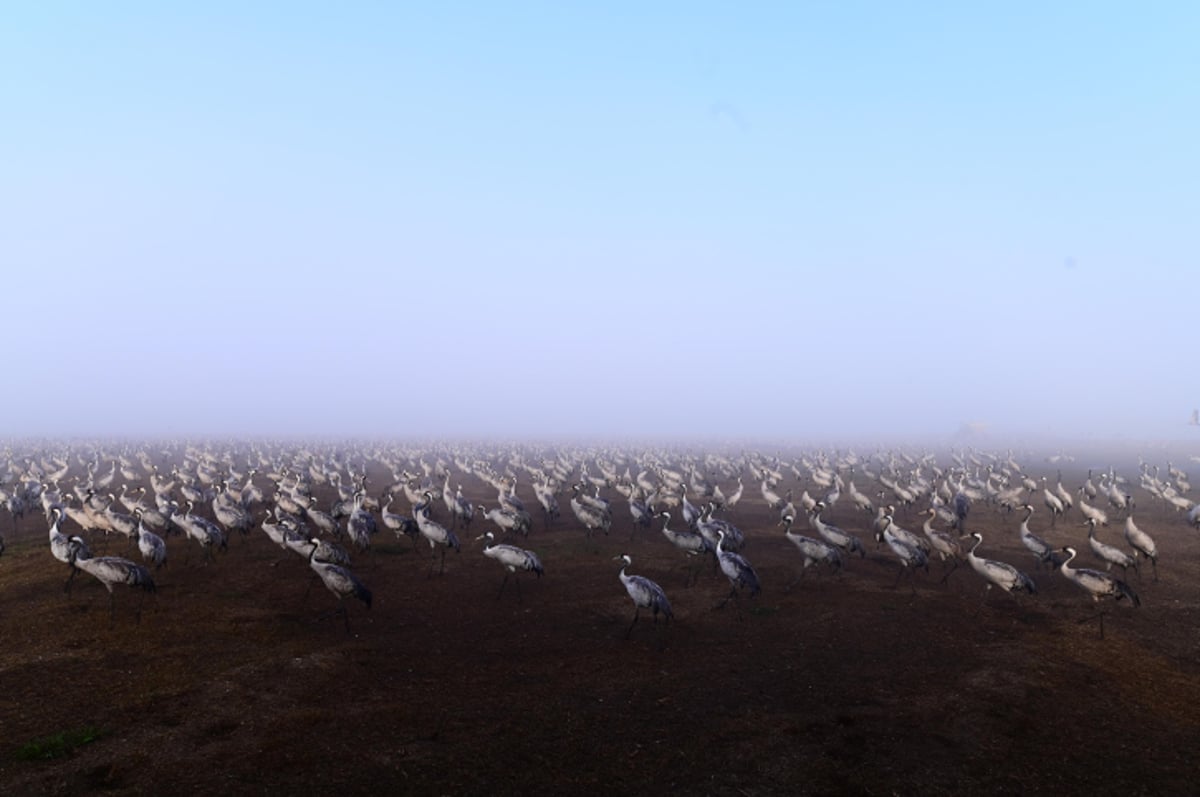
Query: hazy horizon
x,y
860,221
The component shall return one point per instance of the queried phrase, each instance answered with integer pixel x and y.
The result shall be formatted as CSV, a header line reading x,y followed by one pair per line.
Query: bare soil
x,y
235,680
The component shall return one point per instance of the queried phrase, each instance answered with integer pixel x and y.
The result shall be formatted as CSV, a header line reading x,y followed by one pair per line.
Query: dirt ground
x,y
235,680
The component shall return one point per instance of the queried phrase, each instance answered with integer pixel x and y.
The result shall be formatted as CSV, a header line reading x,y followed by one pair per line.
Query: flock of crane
x,y
272,490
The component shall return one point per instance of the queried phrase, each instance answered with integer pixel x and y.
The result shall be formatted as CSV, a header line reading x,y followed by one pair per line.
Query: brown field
x,y
233,682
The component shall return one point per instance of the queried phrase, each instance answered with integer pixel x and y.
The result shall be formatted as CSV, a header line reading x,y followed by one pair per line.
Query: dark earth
x,y
236,682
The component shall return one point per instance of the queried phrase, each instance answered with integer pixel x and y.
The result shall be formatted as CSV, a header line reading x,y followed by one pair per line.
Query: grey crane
x,y
548,501
400,525
833,535
692,543
1001,574
812,550
151,546
911,556
110,570
513,559
1036,545
322,520
230,513
946,546
360,525
1142,543
640,511
739,572
202,530
506,519
340,581
645,595
961,504
61,547
437,534
1097,584
1052,502
1109,553
711,527
591,517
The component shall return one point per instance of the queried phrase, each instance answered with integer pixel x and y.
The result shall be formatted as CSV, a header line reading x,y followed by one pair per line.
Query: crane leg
x,y
1097,616
637,611
950,570
112,607
1154,567
732,594
503,584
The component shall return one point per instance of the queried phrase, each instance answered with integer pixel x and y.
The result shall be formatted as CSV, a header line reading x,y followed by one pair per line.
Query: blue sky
x,y
799,221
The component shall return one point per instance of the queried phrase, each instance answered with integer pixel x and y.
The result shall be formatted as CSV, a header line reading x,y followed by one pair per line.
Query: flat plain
x,y
238,679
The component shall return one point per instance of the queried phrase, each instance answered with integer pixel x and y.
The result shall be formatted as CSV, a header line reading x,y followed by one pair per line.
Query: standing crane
x,y
812,550
645,595
833,535
946,546
360,525
61,546
513,559
910,555
436,533
340,581
1141,543
400,525
1002,574
1098,585
590,516
1109,553
151,546
110,570
1052,502
1036,545
737,570
692,543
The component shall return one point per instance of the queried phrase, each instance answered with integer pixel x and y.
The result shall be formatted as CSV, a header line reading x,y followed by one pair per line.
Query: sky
x,y
711,220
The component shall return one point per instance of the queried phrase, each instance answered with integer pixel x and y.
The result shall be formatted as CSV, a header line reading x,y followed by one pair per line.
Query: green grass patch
x,y
58,745
763,611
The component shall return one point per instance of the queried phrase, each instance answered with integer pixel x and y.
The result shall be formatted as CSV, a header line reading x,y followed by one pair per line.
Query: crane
x,y
1001,574
1052,502
513,559
645,595
692,543
110,570
737,570
1109,553
812,550
1141,543
590,516
61,546
947,547
1036,545
151,546
910,555
1098,585
340,581
436,533
833,535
